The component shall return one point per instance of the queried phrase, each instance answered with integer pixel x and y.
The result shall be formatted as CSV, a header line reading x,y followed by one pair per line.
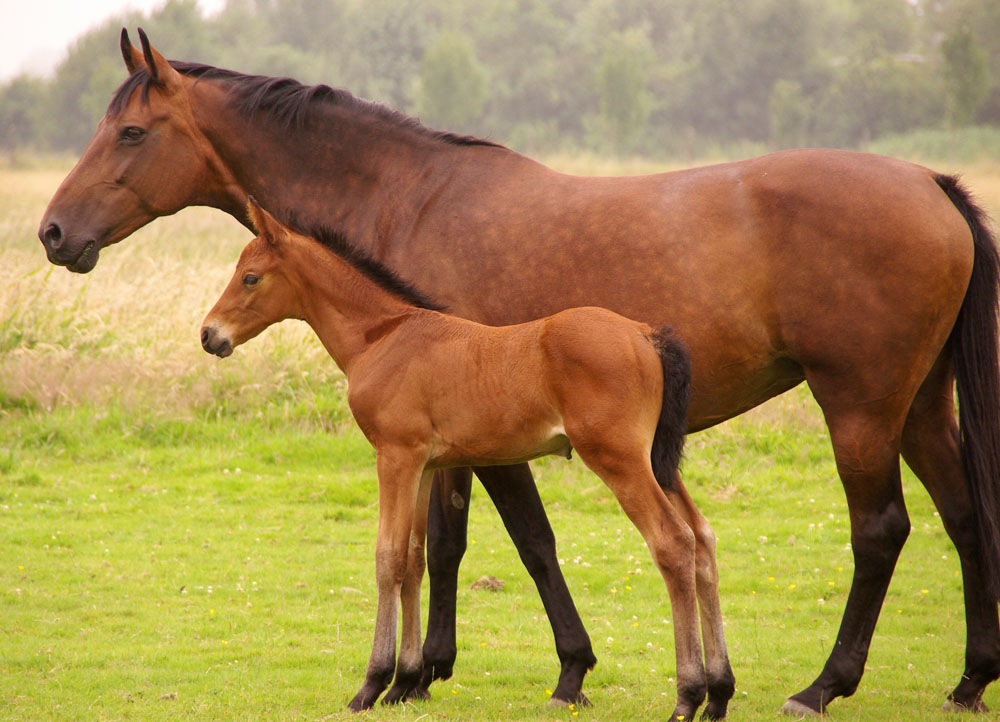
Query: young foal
x,y
430,390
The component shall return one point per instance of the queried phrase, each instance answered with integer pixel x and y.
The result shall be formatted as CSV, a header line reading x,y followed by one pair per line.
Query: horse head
x,y
147,159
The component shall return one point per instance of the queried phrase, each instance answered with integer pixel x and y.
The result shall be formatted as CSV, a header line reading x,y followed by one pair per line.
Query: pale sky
x,y
35,34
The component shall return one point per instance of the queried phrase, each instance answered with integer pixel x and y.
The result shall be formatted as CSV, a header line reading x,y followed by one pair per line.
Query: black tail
x,y
668,440
973,345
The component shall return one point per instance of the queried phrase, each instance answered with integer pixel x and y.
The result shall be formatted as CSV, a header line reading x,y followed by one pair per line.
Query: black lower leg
x,y
406,686
515,496
877,541
721,689
447,529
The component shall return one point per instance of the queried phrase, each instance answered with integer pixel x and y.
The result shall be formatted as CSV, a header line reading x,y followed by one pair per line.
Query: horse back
x,y
764,267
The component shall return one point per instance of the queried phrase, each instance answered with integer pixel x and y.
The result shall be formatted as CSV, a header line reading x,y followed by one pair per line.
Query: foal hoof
x,y
794,708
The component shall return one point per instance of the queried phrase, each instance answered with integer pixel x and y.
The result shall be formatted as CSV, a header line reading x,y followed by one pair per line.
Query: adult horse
x,y
873,279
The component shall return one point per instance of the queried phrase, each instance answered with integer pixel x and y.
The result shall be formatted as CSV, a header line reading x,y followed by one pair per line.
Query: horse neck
x,y
342,168
347,310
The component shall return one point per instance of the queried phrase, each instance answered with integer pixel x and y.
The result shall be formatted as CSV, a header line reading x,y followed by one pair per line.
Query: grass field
x,y
184,537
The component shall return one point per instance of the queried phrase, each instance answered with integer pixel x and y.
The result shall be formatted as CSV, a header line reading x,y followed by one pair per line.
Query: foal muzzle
x,y
212,342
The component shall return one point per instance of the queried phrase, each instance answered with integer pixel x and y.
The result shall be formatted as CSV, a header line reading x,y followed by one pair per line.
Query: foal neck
x,y
347,309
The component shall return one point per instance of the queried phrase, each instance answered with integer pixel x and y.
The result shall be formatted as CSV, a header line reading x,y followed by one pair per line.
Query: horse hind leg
x,y
866,448
931,448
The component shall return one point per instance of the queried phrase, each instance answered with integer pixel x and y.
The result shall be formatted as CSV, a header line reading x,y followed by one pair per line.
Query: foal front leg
x,y
399,476
409,667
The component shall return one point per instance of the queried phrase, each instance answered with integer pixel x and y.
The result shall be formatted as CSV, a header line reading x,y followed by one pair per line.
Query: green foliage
x,y
622,85
967,72
21,112
453,85
679,78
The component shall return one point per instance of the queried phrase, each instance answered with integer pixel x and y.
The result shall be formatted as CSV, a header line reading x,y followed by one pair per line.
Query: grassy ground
x,y
184,537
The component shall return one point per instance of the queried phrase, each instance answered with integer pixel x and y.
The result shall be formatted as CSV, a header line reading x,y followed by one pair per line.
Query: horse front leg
x,y
447,529
398,481
410,665
512,490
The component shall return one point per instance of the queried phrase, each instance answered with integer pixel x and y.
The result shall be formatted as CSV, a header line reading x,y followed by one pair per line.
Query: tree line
x,y
656,77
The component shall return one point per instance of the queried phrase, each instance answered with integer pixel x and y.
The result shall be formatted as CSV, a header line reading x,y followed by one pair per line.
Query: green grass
x,y
188,538
222,568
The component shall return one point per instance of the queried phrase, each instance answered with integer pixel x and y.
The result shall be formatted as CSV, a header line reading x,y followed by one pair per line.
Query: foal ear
x,y
131,54
159,67
264,224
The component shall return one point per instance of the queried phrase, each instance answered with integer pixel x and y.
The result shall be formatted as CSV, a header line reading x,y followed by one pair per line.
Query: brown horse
x,y
873,279
585,379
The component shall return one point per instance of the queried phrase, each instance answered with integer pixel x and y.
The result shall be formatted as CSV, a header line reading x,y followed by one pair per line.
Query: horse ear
x,y
131,54
264,224
159,67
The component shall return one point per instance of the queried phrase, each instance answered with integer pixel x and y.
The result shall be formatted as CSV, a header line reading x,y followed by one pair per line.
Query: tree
x,y
21,112
967,72
622,79
453,86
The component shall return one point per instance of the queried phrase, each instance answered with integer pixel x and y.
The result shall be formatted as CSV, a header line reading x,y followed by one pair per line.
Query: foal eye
x,y
251,280
132,134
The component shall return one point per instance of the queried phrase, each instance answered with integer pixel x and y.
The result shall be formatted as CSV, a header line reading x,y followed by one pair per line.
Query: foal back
x,y
502,395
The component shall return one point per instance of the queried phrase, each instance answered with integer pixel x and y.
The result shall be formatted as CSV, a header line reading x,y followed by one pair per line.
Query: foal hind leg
x,y
866,448
719,673
671,543
515,496
930,447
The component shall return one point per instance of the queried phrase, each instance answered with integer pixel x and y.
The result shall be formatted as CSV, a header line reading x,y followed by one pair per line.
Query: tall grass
x,y
128,331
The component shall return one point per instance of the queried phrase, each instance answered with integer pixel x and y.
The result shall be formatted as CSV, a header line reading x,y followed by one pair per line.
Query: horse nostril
x,y
204,338
53,236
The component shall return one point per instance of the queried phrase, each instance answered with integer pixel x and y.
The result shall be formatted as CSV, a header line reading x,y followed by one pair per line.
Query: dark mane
x,y
375,271
284,100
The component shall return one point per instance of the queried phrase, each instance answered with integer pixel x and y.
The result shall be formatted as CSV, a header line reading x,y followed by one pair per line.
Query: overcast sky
x,y
35,34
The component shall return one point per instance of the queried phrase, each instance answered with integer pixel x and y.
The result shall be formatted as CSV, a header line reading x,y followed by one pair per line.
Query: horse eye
x,y
251,280
132,134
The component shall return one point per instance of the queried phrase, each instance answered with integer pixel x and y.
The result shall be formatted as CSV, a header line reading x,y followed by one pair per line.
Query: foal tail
x,y
973,344
668,440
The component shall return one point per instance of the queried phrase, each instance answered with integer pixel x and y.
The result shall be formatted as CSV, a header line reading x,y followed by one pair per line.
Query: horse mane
x,y
376,271
284,100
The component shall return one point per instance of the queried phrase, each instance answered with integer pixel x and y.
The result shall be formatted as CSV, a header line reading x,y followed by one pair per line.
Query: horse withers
x,y
585,378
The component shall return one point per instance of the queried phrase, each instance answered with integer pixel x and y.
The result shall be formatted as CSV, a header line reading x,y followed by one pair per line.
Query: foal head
x,y
261,292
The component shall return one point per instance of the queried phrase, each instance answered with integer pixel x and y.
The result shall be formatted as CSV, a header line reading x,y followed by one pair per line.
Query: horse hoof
x,y
794,708
556,703
950,705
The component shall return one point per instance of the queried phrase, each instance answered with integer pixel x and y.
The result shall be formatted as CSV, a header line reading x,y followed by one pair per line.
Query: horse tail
x,y
668,439
973,344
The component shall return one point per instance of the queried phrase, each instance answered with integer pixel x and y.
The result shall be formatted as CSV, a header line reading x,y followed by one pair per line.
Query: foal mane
x,y
377,272
287,101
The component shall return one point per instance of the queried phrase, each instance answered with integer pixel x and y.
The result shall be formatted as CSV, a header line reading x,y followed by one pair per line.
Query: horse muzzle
x,y
213,342
78,255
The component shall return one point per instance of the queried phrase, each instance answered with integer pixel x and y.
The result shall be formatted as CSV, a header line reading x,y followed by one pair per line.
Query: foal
x,y
430,390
